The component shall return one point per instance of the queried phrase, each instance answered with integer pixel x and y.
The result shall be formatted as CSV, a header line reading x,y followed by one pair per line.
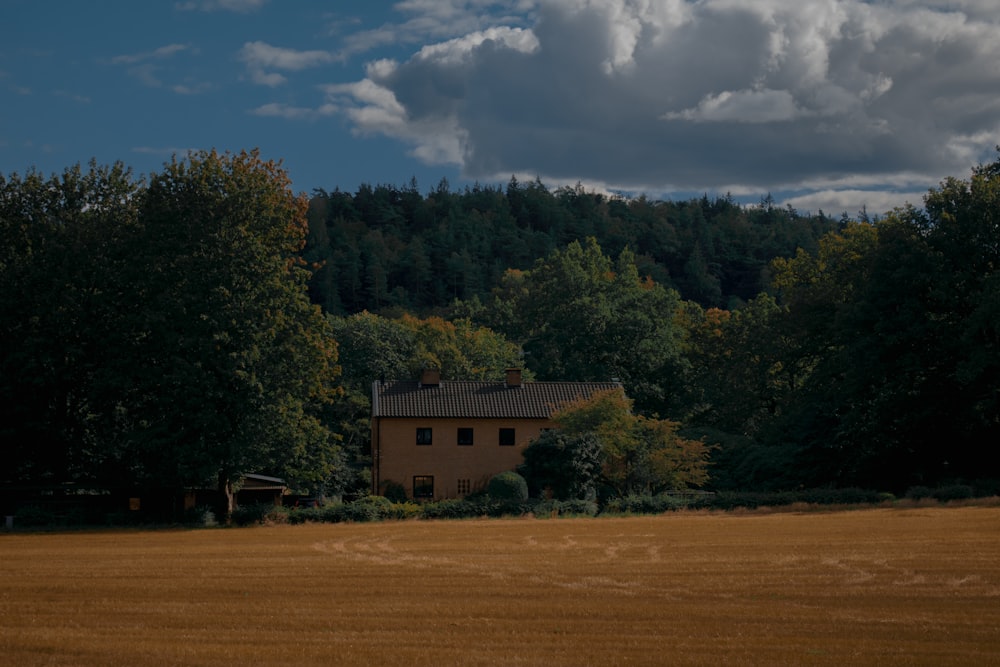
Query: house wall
x,y
452,466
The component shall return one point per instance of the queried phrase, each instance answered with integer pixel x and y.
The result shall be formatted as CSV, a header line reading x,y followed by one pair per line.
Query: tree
x,y
225,367
566,466
638,454
581,316
898,319
61,255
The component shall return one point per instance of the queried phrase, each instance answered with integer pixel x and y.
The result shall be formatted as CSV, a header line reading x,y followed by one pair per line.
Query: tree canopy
x,y
188,351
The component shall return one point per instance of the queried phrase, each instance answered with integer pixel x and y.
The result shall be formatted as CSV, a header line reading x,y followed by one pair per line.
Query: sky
x,y
833,105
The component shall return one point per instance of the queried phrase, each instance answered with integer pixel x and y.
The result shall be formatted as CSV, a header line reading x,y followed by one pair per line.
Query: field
x,y
883,586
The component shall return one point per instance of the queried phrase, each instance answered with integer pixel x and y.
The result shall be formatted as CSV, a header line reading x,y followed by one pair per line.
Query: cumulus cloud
x,y
714,95
438,20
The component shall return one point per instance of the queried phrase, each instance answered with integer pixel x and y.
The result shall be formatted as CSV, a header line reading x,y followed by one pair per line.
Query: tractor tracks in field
x,y
532,560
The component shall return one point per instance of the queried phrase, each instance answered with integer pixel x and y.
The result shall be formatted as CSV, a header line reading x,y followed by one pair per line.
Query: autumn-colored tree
x,y
639,454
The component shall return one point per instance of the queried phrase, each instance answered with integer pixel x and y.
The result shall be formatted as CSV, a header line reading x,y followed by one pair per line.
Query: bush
x,y
846,496
455,508
919,492
404,510
298,515
986,488
202,516
508,486
395,492
645,504
32,516
577,507
953,492
246,515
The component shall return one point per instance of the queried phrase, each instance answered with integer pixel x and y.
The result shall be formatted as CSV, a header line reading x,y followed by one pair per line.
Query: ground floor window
x,y
423,486
464,487
507,437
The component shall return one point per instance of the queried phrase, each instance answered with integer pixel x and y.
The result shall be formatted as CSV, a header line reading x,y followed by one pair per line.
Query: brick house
x,y
445,439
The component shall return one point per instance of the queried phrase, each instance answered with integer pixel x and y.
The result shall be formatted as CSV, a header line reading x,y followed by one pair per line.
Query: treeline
x,y
870,360
160,332
391,249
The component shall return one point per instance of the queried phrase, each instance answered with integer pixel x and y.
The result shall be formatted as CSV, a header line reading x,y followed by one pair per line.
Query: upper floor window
x,y
465,436
423,436
507,437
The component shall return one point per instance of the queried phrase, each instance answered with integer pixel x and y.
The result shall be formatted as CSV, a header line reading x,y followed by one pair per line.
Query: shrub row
x,y
513,503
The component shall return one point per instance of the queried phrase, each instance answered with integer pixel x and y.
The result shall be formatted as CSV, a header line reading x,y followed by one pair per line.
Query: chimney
x,y
431,377
513,377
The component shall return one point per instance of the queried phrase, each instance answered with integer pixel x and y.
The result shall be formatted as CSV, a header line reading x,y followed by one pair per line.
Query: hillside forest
x,y
205,322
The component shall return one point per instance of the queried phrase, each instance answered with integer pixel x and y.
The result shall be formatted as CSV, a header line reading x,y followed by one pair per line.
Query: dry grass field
x,y
873,587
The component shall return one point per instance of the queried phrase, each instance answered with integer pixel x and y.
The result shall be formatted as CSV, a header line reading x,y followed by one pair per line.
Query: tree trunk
x,y
227,499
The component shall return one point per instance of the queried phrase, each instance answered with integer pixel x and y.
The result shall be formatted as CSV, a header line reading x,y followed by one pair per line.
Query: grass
x,y
916,586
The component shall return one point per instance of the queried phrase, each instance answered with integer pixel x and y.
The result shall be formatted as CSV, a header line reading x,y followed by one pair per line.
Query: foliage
x,y
160,333
562,465
638,454
643,504
63,252
573,507
259,513
385,247
507,486
452,508
394,491
581,316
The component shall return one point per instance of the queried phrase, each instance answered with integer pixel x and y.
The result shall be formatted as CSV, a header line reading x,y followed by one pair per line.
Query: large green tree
x,y
160,333
62,240
581,316
898,323
227,366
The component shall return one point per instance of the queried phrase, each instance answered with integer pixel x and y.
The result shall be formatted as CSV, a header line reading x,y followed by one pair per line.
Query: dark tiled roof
x,y
532,400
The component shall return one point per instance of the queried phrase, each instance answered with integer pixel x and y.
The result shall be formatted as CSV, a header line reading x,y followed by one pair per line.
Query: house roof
x,y
468,399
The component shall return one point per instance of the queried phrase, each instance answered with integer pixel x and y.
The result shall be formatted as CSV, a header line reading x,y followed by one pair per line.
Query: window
x,y
464,486
465,436
423,486
507,437
423,436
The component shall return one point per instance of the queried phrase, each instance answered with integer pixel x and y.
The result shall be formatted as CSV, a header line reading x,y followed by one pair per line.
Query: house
x,y
445,439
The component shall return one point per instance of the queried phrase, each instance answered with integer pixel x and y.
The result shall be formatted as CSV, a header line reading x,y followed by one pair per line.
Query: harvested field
x,y
873,587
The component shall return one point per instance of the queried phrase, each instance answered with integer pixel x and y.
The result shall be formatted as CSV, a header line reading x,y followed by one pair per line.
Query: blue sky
x,y
826,104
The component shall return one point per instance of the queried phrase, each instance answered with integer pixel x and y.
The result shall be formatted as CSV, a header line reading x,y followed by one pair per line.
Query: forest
x,y
207,322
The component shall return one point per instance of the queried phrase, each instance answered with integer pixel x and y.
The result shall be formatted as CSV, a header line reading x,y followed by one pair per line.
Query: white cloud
x,y
290,112
743,106
438,20
455,51
261,57
374,109
851,202
149,67
160,53
845,96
